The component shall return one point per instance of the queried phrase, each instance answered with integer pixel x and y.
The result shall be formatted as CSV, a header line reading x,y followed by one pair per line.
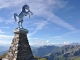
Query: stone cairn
x,y
20,48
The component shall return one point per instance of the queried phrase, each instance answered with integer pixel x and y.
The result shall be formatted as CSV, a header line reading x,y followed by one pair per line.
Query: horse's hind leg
x,y
19,24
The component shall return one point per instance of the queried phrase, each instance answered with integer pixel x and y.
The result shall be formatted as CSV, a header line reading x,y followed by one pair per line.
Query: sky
x,y
53,21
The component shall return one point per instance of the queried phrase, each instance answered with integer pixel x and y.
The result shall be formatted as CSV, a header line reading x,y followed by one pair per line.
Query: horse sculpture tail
x,y
15,14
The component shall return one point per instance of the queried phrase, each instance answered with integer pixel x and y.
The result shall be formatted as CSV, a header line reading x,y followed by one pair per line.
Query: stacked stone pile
x,y
20,48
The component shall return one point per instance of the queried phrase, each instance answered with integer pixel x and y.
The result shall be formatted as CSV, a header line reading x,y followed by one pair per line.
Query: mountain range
x,y
66,52
44,50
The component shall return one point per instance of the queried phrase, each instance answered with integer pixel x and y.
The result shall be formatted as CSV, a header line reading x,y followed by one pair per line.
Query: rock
x,y
20,48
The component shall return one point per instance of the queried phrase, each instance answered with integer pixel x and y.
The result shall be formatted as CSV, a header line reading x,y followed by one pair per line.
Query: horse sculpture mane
x,y
23,8
22,14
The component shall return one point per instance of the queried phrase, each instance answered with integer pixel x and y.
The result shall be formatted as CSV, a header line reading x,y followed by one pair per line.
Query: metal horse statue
x,y
22,14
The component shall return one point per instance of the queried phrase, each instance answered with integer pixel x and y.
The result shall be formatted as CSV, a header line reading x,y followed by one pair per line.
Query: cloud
x,y
66,36
7,21
72,32
46,11
42,9
3,42
5,39
39,26
10,3
1,32
5,36
57,37
69,8
5,27
41,42
67,43
47,41
63,43
55,19
1,19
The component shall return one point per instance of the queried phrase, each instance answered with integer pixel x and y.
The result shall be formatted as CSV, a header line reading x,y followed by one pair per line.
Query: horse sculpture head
x,y
25,7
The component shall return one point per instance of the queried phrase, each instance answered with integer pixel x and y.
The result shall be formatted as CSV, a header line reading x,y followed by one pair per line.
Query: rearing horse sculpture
x,y
22,14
